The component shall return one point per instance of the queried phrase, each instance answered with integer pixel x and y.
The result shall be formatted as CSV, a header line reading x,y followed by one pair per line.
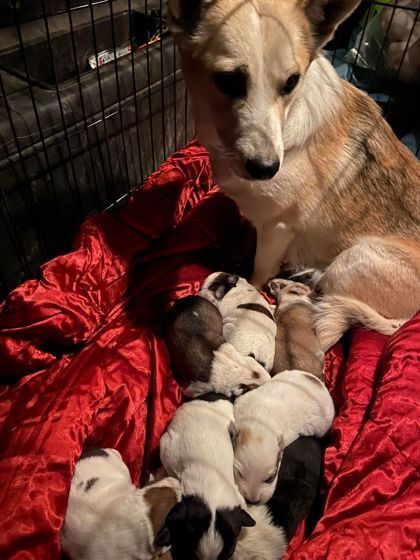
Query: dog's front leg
x,y
272,244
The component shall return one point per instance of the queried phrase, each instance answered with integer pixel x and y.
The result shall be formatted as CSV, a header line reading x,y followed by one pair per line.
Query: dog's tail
x,y
334,315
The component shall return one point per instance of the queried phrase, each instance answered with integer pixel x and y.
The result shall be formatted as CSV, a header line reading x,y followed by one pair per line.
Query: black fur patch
x,y
187,522
297,484
228,524
90,483
94,452
213,397
222,284
258,308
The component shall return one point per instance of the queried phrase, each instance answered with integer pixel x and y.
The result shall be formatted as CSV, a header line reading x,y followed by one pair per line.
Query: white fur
x,y
265,541
229,372
293,404
336,314
250,332
111,519
197,449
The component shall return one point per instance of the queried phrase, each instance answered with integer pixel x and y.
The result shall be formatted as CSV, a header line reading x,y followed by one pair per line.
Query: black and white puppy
x,y
197,449
297,484
202,360
108,517
248,322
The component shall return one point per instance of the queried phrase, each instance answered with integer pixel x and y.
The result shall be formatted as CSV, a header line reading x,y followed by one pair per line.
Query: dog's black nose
x,y
262,170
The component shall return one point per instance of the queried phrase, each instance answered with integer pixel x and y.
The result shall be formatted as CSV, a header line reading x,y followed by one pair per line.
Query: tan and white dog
x,y
307,157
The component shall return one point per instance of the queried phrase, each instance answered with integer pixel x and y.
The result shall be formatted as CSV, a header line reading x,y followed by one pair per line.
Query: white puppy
x,y
248,322
294,403
197,449
108,517
265,541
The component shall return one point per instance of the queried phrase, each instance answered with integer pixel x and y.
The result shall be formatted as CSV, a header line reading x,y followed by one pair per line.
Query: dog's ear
x,y
222,284
163,538
246,519
183,15
326,15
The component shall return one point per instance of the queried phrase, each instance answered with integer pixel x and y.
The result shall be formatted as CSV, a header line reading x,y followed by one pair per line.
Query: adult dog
x,y
307,157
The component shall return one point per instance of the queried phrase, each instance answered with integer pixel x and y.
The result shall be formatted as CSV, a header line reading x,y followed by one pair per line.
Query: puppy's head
x,y
197,533
245,64
98,468
258,452
288,291
217,285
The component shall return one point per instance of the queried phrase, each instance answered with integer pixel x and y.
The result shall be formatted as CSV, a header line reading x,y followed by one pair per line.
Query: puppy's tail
x,y
334,315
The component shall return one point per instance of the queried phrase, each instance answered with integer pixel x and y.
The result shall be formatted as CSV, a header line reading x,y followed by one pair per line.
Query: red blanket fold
x,y
83,355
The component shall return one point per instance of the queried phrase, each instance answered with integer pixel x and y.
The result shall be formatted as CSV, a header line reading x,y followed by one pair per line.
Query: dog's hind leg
x,y
375,284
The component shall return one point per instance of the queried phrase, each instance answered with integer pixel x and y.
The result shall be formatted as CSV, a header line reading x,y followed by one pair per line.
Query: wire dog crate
x,y
92,101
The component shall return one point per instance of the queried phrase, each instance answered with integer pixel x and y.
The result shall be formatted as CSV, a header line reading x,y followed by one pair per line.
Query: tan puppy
x,y
307,157
296,346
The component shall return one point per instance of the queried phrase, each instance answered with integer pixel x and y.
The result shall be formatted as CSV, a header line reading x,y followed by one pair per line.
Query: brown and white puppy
x,y
203,361
293,404
297,345
307,157
108,517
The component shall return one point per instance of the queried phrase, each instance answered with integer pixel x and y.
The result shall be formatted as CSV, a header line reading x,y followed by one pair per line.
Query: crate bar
x,y
58,12
175,97
83,108
162,91
39,231
152,140
354,64
407,44
381,51
110,191
136,110
38,121
60,106
117,81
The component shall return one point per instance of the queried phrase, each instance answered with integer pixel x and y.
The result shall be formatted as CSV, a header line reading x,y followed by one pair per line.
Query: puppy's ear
x,y
326,15
246,519
184,15
163,538
222,284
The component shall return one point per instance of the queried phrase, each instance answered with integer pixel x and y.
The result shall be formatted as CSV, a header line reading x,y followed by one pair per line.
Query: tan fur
x,y
297,345
161,500
346,197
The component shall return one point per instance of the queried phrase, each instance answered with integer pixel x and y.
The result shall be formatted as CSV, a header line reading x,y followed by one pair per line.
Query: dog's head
x,y
197,533
245,63
217,285
258,453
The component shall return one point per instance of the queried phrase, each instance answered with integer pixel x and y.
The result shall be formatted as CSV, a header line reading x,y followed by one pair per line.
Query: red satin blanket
x,y
83,363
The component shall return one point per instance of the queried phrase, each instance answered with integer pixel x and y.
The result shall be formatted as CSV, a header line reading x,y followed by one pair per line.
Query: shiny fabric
x,y
83,362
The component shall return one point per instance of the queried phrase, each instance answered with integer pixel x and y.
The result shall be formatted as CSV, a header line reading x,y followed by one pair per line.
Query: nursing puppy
x,y
108,517
297,485
197,449
297,345
248,323
202,360
307,157
267,420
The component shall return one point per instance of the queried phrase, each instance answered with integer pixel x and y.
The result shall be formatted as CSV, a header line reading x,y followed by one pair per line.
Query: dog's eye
x,y
291,83
270,479
231,84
